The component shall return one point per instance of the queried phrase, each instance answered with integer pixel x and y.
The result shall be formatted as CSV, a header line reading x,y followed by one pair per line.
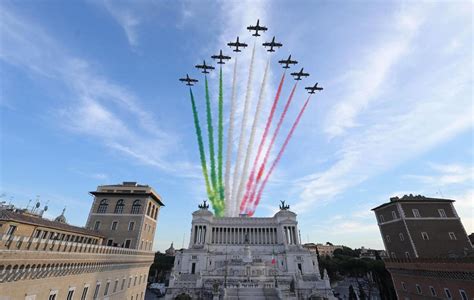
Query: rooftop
x,y
27,218
412,198
127,188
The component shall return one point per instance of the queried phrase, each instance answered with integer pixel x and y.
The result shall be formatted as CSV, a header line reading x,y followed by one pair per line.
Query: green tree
x,y
362,295
352,294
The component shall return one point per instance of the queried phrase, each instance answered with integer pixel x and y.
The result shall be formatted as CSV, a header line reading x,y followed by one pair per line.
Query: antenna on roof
x,y
28,205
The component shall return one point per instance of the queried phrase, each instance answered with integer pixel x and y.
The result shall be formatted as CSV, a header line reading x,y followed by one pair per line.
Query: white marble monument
x,y
247,258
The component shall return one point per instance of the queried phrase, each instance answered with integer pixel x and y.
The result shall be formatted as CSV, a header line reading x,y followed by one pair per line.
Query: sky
x,y
90,96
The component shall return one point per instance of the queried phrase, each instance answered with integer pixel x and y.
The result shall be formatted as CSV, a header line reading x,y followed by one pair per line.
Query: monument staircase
x,y
252,293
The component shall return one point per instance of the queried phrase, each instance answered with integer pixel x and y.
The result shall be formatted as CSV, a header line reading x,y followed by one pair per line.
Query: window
x,y
136,207
84,293
447,293
404,286
418,289
11,229
381,219
131,225
70,294
452,236
394,215
425,236
114,225
102,206
141,245
45,233
135,281
140,280
115,285
119,207
106,291
393,255
110,242
402,238
433,291
52,295
129,282
416,213
463,295
97,225
123,284
148,211
37,233
127,243
407,255
388,238
193,268
442,213
96,292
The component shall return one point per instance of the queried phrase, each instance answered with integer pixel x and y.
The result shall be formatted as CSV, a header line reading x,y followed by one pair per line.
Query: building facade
x,y
50,259
246,258
430,254
322,250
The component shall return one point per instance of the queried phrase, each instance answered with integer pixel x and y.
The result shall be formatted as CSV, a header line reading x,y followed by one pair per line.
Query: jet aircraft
x,y
299,74
313,89
237,44
189,81
221,58
287,62
257,28
272,44
204,67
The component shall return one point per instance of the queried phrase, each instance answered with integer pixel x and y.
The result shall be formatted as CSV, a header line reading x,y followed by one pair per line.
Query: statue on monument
x,y
204,205
283,206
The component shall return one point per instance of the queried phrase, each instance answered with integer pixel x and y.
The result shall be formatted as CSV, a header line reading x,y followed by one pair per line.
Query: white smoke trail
x,y
229,205
240,148
250,146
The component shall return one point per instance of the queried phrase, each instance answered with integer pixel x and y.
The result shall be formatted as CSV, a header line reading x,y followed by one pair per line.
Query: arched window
x,y
136,207
119,207
102,206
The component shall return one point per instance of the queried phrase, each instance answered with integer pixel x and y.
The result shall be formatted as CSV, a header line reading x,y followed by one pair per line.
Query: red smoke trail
x,y
267,154
262,142
275,162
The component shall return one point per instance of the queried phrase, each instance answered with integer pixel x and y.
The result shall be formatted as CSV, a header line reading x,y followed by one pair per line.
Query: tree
x,y
352,294
362,295
329,244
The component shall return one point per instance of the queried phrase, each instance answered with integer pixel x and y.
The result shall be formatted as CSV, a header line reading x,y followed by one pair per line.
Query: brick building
x,y
107,259
430,254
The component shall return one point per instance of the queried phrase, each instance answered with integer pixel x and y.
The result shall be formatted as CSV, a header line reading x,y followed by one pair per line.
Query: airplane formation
x,y
238,46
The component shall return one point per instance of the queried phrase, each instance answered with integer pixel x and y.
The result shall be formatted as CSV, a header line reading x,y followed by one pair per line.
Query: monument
x,y
247,258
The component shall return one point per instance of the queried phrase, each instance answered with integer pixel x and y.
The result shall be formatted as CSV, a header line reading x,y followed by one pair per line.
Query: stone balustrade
x,y
25,258
14,242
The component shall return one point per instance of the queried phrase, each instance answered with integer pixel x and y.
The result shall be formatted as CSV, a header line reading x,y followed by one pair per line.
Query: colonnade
x,y
199,234
290,235
236,235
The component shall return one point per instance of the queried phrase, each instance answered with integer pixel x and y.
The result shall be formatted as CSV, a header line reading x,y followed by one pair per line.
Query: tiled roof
x,y
8,215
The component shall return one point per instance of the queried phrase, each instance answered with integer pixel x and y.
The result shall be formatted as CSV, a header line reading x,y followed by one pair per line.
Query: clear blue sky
x,y
90,96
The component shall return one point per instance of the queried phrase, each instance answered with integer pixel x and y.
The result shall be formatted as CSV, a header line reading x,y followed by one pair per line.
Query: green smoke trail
x,y
220,139
202,154
210,133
